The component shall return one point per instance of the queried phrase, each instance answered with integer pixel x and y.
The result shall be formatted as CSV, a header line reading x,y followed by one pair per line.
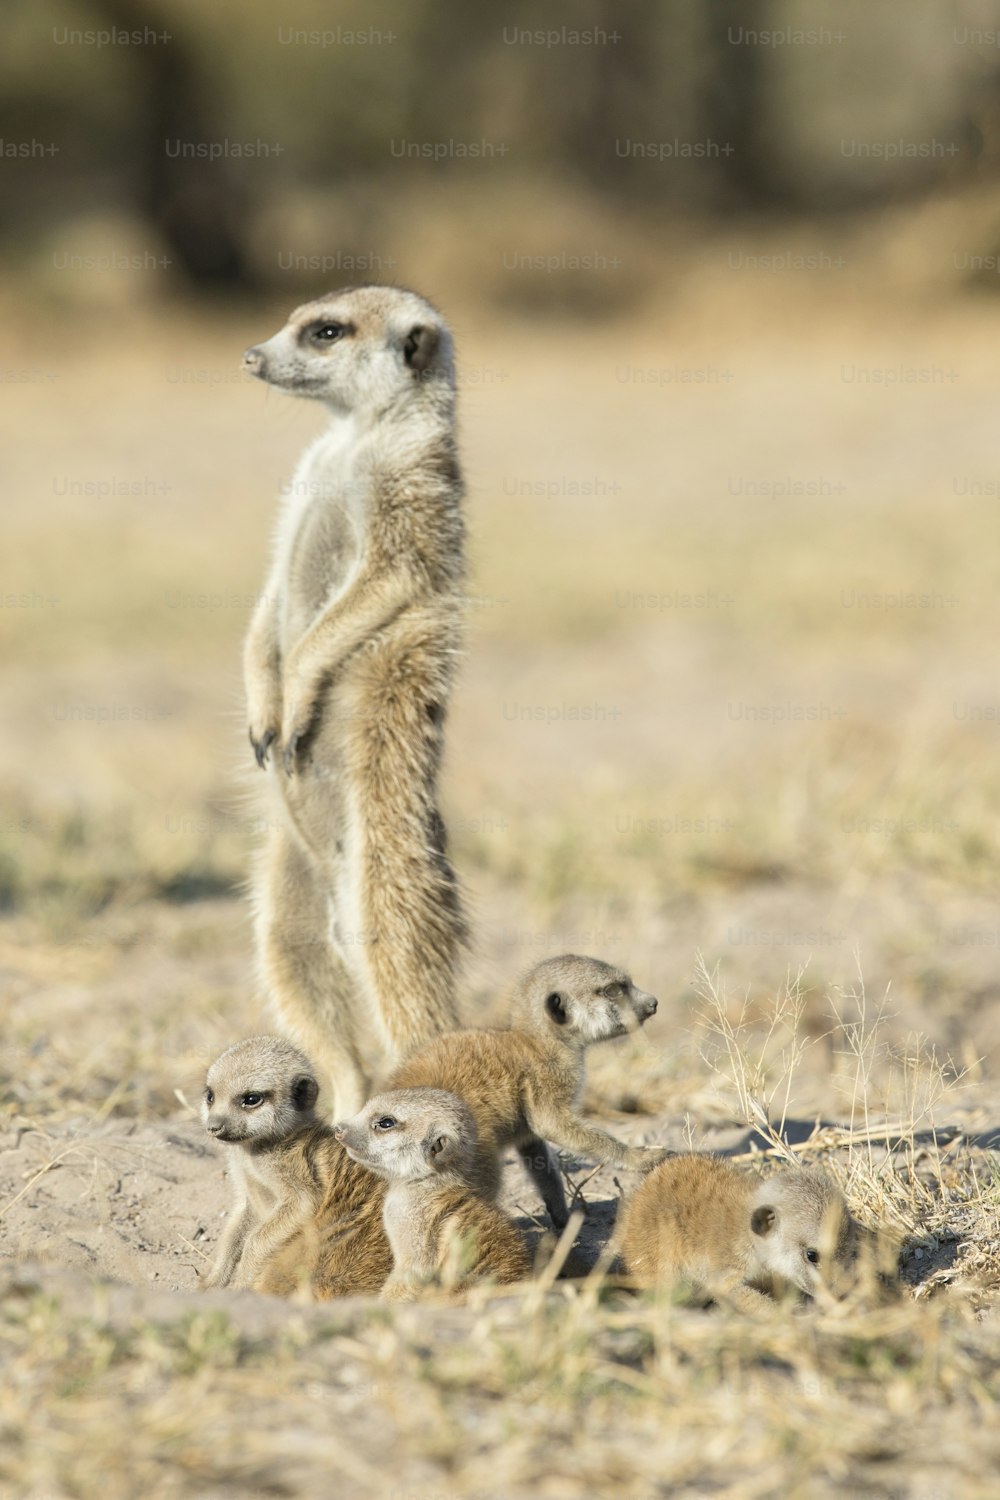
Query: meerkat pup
x,y
260,1100
523,1083
698,1219
348,666
423,1141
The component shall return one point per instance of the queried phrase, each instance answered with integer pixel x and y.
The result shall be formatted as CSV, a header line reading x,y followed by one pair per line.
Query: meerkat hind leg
x,y
311,987
540,1164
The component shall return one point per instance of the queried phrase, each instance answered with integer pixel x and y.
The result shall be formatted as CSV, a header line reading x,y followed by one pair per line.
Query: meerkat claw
x,y
289,755
262,746
653,1156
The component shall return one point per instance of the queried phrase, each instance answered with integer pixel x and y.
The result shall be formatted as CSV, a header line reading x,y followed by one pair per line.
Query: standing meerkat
x,y
523,1082
348,665
441,1231
698,1219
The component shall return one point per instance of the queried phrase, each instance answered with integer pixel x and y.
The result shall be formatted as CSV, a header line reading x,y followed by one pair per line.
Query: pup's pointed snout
x,y
214,1126
646,1004
339,1133
253,361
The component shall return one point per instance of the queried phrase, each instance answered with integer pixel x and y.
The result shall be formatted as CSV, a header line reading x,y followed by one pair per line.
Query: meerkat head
x,y
580,1000
411,1134
362,349
803,1232
259,1091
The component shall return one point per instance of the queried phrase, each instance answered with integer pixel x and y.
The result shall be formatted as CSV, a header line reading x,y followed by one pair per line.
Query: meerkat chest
x,y
324,526
406,1216
261,1189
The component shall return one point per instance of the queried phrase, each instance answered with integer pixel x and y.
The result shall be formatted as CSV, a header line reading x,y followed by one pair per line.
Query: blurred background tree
x,y
780,108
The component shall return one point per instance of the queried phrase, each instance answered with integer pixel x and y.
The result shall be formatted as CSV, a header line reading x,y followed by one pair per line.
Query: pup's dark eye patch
x,y
326,331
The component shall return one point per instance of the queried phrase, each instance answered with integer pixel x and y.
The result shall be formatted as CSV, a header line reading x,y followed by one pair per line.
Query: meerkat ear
x,y
763,1220
439,1148
420,347
305,1091
555,1006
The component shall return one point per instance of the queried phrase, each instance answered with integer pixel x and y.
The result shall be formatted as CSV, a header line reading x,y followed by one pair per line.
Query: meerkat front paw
x,y
399,1291
652,1156
264,721
262,744
299,713
290,746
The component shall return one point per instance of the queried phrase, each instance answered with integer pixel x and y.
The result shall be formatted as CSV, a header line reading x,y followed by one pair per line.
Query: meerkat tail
x,y
402,879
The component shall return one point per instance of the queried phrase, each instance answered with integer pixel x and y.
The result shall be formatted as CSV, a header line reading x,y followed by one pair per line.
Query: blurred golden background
x,y
723,276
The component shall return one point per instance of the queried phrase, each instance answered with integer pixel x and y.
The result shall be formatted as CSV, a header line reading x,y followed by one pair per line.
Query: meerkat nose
x,y
214,1126
339,1132
253,361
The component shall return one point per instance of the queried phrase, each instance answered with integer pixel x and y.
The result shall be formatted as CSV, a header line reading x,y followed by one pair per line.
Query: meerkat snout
x,y
253,362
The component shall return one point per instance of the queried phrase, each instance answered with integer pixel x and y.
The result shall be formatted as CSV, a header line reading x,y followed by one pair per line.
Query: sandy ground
x,y
663,824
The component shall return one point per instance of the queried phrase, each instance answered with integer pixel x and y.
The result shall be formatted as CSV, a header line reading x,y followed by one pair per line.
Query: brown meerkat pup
x,y
341,1248
348,665
699,1220
523,1082
260,1099
442,1232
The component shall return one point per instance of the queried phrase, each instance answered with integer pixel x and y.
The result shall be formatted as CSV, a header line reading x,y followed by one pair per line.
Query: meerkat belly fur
x,y
697,1219
341,1248
441,1230
284,1166
348,665
523,1083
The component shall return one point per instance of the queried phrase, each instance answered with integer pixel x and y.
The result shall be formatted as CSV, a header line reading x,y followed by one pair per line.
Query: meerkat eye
x,y
209,1097
252,1101
385,1122
327,333
611,991
812,1256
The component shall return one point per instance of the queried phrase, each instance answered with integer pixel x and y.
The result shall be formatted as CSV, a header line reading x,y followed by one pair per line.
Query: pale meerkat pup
x,y
523,1082
260,1100
348,665
698,1219
441,1231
